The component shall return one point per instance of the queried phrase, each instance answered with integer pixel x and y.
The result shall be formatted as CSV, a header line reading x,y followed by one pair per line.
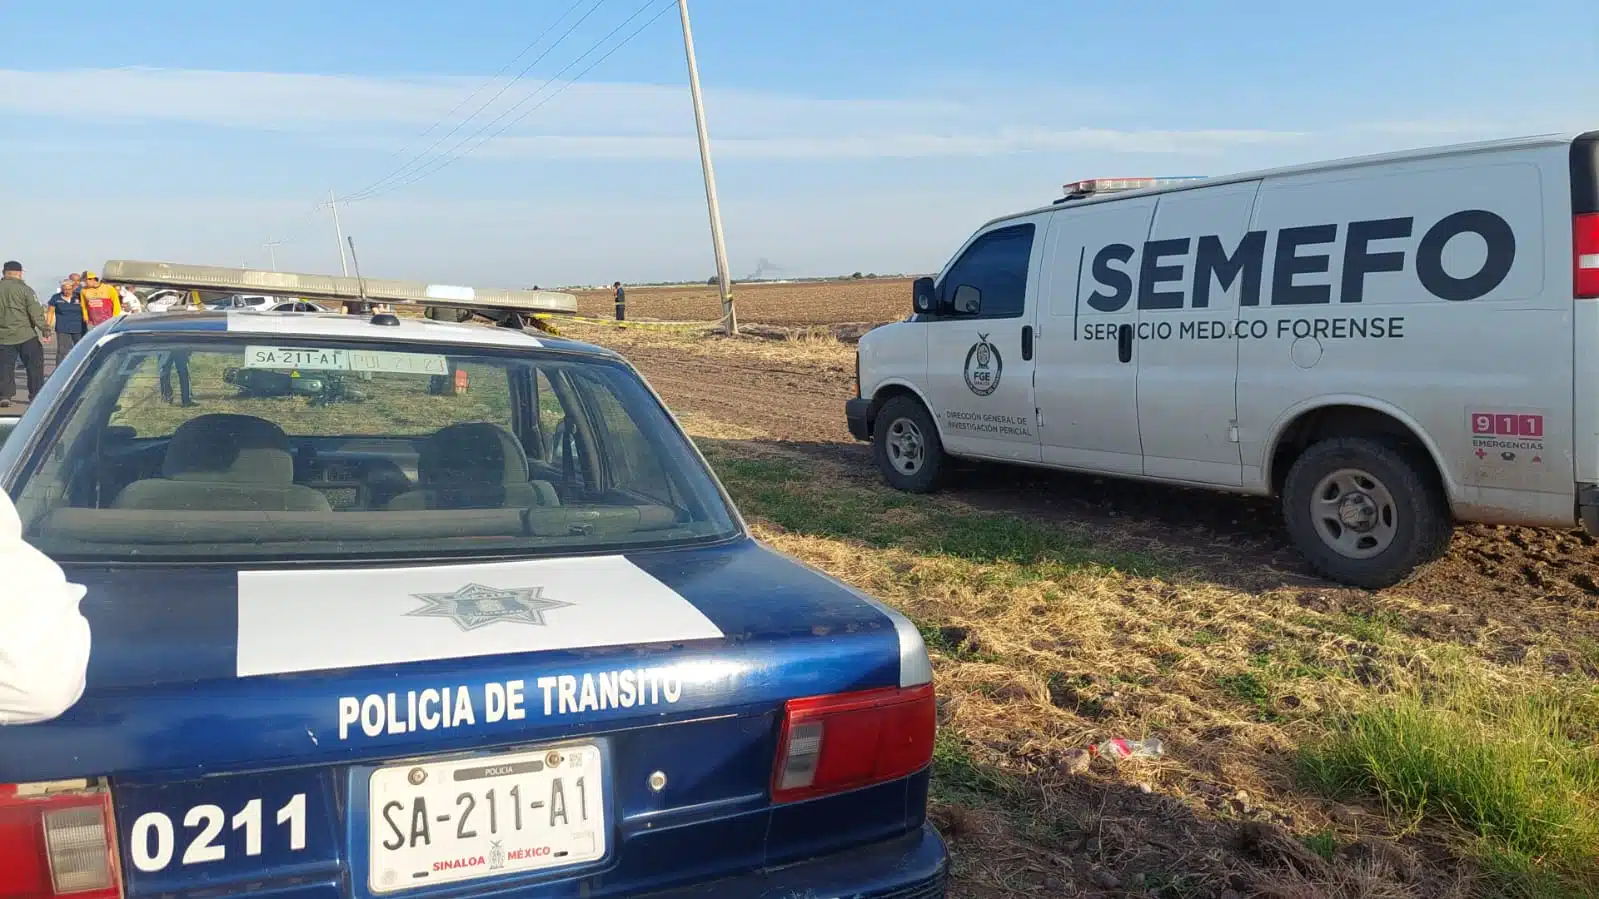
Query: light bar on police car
x,y
331,287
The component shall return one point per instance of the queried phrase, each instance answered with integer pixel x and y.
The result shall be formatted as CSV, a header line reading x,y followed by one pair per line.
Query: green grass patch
x,y
1515,769
1323,843
1251,688
957,777
789,496
955,642
1372,627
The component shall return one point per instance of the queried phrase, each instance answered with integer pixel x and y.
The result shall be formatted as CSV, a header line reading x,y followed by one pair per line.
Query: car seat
x,y
225,462
475,465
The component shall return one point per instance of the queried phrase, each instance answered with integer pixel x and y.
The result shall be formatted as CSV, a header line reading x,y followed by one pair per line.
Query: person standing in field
x,y
621,302
100,302
63,314
22,322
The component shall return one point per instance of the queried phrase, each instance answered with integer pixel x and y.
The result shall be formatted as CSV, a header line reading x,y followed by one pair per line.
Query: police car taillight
x,y
56,839
830,744
1585,252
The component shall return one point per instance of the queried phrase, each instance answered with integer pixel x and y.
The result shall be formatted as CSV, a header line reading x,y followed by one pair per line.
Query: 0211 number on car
x,y
154,841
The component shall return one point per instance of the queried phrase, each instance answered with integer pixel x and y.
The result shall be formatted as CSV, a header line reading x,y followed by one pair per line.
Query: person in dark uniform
x,y
178,361
621,302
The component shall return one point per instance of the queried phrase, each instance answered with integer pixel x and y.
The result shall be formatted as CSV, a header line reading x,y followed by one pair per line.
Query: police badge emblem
x,y
475,606
983,367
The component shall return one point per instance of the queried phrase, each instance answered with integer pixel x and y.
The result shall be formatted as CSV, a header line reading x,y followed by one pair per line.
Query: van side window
x,y
991,274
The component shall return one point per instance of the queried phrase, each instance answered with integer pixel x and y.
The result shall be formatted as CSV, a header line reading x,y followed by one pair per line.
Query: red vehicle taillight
x,y
830,744
1585,254
57,840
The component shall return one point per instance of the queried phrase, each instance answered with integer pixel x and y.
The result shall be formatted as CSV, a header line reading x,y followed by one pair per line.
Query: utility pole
x,y
360,284
272,251
333,204
723,281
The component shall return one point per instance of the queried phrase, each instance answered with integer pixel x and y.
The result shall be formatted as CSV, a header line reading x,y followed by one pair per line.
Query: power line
x,y
447,160
490,80
399,172
300,223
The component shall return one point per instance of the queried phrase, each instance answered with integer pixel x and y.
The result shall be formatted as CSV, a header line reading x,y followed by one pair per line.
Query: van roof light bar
x,y
220,279
1089,187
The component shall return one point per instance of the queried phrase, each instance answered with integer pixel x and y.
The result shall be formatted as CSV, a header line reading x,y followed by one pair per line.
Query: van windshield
x,y
231,448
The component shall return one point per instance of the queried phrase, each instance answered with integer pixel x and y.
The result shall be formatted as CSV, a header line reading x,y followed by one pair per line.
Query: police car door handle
x,y
1124,343
1027,343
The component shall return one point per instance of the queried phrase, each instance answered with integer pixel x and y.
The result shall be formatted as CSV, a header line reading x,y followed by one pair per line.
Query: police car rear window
x,y
237,448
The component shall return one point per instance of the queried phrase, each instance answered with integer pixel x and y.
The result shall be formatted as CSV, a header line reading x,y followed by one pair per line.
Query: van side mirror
x,y
922,296
968,300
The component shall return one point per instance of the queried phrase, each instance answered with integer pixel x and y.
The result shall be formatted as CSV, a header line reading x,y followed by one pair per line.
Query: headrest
x,y
239,449
472,453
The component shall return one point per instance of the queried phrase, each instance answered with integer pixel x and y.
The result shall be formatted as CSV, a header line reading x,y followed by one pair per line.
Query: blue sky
x,y
866,135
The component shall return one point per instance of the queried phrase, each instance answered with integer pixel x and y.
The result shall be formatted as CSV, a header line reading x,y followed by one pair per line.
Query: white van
x,y
1389,344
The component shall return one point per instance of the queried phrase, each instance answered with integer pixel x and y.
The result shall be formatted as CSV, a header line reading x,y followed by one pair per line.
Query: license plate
x,y
435,823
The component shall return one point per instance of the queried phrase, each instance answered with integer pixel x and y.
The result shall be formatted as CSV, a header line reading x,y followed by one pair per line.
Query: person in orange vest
x,y
100,302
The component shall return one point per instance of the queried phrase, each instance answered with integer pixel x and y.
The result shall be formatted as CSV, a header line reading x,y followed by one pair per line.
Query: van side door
x,y
980,344
1087,372
1191,275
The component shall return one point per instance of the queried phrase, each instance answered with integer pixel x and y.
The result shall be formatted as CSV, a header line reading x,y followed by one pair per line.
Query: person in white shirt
x,y
44,639
130,299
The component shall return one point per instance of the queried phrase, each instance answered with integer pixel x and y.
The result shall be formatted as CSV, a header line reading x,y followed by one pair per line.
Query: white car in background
x,y
166,301
292,305
244,301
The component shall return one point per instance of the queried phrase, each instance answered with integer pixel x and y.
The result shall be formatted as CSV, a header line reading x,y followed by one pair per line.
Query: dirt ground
x,y
1503,584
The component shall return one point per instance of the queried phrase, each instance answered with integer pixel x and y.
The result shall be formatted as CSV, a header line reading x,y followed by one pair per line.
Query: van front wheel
x,y
1364,512
906,447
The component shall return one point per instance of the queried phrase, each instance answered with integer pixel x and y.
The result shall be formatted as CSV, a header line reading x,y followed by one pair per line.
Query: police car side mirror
x,y
968,300
922,295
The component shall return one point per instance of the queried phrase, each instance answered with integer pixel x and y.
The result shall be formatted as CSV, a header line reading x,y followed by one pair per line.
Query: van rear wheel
x,y
906,447
1365,512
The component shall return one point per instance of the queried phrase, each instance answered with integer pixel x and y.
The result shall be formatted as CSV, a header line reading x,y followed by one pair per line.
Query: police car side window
x,y
990,278
550,413
635,466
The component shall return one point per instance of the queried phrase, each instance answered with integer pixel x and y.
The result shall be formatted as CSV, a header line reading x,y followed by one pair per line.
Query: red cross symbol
x,y
1481,453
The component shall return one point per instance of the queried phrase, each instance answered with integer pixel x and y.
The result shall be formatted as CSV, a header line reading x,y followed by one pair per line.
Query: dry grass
x,y
1047,639
813,346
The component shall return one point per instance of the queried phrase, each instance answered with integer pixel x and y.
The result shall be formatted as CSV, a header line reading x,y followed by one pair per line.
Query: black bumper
x,y
915,866
1588,507
855,411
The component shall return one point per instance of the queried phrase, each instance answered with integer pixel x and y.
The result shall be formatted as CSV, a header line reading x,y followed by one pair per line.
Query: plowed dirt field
x,y
803,303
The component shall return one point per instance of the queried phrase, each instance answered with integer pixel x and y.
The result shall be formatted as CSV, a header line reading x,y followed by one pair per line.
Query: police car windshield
x,y
240,448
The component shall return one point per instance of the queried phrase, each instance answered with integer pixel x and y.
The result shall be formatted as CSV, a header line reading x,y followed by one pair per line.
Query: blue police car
x,y
396,608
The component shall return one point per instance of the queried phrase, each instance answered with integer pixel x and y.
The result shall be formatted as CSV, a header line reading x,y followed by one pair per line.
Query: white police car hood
x,y
44,640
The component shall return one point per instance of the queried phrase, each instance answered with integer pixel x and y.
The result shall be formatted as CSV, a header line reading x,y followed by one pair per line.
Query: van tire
x,y
1401,516
906,447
